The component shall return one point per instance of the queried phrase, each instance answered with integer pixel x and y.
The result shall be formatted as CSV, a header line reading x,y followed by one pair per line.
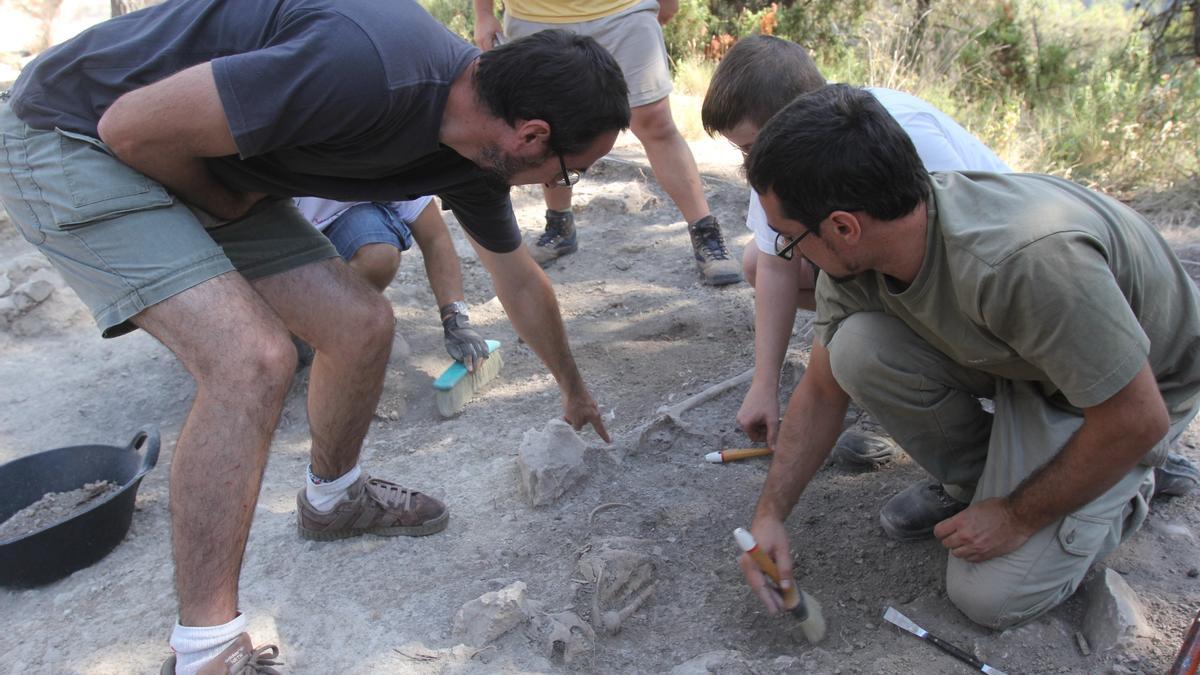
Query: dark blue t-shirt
x,y
340,99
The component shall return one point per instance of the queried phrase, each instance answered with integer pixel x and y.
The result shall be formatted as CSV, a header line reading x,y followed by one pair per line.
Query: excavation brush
x,y
456,385
802,606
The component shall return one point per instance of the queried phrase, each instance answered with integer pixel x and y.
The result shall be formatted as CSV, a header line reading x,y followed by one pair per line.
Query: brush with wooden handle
x,y
801,605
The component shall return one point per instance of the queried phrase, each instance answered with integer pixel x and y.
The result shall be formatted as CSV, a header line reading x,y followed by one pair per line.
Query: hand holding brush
x,y
802,606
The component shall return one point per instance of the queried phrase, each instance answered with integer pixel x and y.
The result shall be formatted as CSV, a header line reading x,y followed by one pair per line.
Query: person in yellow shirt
x,y
631,31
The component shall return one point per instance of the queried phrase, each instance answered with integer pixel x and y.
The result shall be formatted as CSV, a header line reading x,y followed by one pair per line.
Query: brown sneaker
x,y
373,506
239,658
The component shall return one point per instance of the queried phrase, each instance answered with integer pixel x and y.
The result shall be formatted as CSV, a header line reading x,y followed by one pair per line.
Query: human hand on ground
x,y
463,342
982,531
771,537
487,28
759,415
581,410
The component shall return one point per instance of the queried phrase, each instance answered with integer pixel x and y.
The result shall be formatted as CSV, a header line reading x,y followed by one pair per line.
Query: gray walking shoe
x,y
557,240
1177,477
912,513
712,257
373,506
857,449
239,658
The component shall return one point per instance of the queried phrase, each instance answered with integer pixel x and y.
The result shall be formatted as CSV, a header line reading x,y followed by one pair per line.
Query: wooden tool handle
x,y
791,597
734,454
1188,661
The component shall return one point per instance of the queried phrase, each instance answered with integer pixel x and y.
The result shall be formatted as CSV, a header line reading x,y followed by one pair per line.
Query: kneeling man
x,y
1062,306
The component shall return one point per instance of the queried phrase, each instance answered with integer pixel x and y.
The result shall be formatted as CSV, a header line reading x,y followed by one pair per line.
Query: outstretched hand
x,y
772,539
581,410
759,416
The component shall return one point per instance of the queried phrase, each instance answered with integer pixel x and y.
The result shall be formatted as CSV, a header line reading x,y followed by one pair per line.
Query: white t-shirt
x,y
942,144
322,212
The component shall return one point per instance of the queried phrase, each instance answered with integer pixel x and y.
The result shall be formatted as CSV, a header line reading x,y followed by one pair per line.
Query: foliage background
x,y
1099,92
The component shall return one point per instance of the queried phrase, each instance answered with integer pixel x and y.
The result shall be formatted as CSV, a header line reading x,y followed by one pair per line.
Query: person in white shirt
x,y
758,77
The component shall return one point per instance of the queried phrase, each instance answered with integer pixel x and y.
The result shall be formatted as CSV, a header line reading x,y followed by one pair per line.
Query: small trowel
x,y
895,617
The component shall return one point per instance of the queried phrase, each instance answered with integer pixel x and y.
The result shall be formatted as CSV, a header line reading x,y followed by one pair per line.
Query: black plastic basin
x,y
61,548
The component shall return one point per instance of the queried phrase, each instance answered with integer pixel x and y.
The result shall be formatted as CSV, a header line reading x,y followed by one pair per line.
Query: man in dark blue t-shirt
x,y
152,159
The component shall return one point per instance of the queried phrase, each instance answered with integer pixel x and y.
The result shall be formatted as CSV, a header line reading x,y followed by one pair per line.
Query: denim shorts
x,y
120,239
369,223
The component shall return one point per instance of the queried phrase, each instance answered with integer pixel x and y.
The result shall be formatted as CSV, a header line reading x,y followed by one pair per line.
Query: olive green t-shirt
x,y
1035,278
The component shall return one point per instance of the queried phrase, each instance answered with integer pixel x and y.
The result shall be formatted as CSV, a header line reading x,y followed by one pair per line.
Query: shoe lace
x,y
261,661
392,495
710,243
554,231
940,493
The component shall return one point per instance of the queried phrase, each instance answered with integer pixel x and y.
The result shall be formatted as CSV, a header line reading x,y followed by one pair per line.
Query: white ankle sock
x,y
195,645
323,493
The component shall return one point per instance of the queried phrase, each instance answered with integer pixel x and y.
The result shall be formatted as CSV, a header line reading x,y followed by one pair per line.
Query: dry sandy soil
x,y
645,333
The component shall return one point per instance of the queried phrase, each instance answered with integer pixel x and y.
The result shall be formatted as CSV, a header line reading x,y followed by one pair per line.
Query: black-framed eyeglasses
x,y
569,176
785,245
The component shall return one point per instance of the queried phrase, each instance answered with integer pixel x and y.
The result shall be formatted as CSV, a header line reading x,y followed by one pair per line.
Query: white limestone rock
x,y
550,462
492,614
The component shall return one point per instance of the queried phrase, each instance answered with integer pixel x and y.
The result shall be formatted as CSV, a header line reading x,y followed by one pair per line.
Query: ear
x,y
532,132
845,226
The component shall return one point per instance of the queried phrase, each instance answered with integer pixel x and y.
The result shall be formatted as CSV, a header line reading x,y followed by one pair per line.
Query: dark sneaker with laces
x,y
558,240
857,449
239,658
373,506
911,514
1177,477
712,257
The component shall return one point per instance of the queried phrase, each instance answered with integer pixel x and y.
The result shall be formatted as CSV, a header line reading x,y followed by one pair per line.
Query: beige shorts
x,y
632,36
120,239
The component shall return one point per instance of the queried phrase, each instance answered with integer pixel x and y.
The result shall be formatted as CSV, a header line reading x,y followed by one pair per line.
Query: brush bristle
x,y
451,401
813,624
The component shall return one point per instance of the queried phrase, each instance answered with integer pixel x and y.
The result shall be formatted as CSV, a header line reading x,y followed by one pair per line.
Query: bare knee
x,y
260,362
371,326
653,122
377,263
750,262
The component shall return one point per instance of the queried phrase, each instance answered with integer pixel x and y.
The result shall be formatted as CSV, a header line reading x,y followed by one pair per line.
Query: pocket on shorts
x,y
97,185
1083,535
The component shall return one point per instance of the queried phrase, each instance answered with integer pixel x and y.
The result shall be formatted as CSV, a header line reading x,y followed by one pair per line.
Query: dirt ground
x,y
645,333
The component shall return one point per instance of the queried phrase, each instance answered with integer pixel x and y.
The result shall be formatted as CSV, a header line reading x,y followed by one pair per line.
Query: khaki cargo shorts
x,y
120,239
632,36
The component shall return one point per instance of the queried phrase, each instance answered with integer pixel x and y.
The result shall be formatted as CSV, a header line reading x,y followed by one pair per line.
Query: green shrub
x,y
457,15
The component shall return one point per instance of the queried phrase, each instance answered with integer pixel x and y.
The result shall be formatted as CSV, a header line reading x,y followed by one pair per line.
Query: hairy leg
x,y
238,351
670,157
350,324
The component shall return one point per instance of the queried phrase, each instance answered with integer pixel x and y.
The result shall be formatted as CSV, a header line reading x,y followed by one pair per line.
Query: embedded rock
x,y
1114,615
492,614
550,461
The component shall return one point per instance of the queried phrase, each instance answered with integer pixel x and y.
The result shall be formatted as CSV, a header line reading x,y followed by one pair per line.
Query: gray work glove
x,y
463,342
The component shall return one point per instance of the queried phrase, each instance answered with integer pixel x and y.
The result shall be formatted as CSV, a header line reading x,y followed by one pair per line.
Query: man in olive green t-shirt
x,y
1060,306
